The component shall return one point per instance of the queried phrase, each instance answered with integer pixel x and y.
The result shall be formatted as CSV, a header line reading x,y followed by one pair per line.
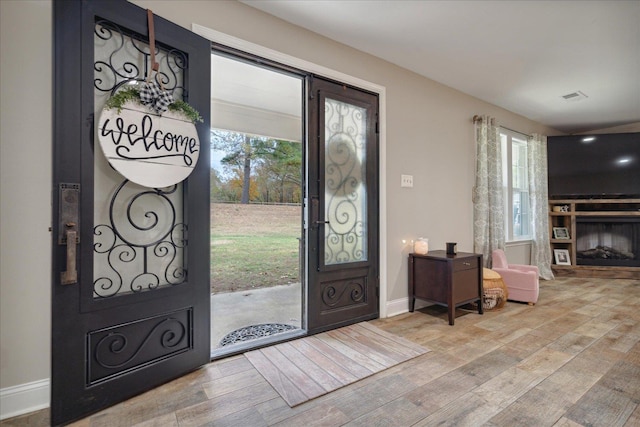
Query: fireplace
x,y
608,241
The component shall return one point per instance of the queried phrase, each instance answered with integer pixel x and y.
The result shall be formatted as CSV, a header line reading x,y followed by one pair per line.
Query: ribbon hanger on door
x,y
152,93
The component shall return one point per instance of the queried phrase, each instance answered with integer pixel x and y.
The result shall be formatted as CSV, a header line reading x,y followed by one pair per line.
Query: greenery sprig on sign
x,y
132,93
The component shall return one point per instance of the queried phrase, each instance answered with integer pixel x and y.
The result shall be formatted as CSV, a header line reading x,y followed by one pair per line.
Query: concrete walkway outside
x,y
235,310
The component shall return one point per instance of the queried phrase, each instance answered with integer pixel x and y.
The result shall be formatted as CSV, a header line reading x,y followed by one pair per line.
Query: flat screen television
x,y
594,166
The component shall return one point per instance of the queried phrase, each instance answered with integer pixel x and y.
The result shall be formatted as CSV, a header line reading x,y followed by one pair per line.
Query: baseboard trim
x,y
24,398
401,305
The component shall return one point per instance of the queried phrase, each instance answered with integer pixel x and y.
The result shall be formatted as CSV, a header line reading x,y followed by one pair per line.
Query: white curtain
x,y
488,193
539,204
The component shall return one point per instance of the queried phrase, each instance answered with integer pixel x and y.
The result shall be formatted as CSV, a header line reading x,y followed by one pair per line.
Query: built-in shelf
x,y
608,213
573,210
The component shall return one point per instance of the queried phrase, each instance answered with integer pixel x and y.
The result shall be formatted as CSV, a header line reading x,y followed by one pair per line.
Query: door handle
x,y
315,207
68,227
70,276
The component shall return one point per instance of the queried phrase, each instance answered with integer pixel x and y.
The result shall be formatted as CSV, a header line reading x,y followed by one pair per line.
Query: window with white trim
x,y
516,186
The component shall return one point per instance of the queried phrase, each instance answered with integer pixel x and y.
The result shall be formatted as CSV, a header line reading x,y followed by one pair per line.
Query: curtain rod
x,y
477,118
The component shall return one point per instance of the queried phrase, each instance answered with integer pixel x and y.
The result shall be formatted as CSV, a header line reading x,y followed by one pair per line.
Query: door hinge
x,y
310,87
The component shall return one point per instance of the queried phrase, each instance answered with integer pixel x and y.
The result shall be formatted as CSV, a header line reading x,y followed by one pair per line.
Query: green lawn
x,y
253,246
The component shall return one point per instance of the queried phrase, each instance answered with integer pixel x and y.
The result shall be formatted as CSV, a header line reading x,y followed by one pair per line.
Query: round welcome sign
x,y
146,148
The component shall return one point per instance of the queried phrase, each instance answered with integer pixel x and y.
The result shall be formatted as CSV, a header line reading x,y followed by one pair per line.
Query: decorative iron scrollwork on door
x,y
345,185
139,233
120,349
340,294
125,58
142,242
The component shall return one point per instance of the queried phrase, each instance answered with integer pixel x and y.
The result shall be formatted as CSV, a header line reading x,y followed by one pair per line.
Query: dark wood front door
x,y
343,201
136,312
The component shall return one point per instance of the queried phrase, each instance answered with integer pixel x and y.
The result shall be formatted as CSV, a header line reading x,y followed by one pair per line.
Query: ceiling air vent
x,y
574,96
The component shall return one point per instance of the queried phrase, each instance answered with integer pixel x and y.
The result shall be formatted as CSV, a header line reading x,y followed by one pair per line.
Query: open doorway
x,y
256,196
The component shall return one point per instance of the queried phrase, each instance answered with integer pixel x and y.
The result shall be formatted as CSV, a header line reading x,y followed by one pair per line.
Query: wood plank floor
x,y
571,360
310,367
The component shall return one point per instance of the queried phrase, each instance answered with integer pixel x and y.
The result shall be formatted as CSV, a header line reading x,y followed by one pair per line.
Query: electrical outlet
x,y
406,181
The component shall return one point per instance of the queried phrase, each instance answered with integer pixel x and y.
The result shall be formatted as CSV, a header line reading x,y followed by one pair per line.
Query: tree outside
x,y
255,212
256,169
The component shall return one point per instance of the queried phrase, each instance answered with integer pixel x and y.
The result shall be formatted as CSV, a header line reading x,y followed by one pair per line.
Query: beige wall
x,y
25,190
428,129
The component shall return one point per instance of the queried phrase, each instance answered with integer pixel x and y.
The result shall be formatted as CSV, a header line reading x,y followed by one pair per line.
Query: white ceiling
x,y
250,99
520,55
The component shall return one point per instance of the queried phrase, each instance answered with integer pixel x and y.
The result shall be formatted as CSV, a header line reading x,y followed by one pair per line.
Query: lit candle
x,y
421,246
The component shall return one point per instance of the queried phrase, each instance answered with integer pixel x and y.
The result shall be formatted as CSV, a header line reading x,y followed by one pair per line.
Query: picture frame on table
x,y
561,233
562,256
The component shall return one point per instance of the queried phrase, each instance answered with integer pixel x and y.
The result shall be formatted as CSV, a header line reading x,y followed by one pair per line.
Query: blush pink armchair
x,y
521,280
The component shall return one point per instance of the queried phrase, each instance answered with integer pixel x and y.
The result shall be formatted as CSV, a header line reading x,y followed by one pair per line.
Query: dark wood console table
x,y
449,280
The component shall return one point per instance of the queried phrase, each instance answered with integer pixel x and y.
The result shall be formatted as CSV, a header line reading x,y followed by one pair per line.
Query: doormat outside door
x,y
310,367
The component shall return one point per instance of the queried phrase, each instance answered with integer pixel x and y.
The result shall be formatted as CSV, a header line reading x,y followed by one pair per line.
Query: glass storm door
x,y
130,286
256,204
343,202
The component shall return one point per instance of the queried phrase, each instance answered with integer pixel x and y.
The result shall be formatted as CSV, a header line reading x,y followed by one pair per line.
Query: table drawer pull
x,y
465,264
